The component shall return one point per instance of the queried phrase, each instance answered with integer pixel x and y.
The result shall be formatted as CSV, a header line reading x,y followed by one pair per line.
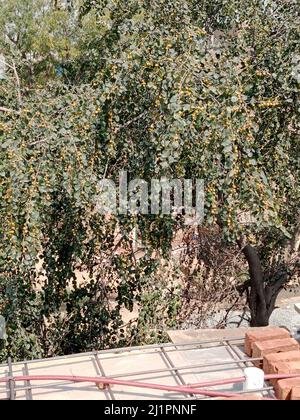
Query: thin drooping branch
x,y
10,110
133,120
18,85
17,79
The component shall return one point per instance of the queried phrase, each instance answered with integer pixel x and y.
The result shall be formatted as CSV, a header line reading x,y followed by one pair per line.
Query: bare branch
x,y
128,123
37,142
10,110
18,84
293,246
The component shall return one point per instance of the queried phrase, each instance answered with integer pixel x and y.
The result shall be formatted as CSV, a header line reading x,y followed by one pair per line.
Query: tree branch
x,y
293,245
128,123
256,299
10,110
18,85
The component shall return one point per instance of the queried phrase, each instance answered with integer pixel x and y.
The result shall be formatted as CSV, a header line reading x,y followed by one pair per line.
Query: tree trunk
x,y
261,296
256,296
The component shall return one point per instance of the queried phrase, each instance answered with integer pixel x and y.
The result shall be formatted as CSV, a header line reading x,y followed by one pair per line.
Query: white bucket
x,y
255,378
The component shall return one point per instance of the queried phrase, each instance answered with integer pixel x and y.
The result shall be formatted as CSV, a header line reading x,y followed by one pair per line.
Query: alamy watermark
x,y
157,197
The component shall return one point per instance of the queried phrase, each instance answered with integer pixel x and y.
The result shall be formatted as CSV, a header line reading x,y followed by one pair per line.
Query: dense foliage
x,y
183,89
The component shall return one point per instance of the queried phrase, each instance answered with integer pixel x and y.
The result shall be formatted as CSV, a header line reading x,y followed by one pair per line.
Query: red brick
x,y
280,368
263,334
284,387
287,356
262,348
296,393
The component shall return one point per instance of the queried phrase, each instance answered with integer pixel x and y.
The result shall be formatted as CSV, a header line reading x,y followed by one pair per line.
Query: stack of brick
x,y
278,353
288,389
